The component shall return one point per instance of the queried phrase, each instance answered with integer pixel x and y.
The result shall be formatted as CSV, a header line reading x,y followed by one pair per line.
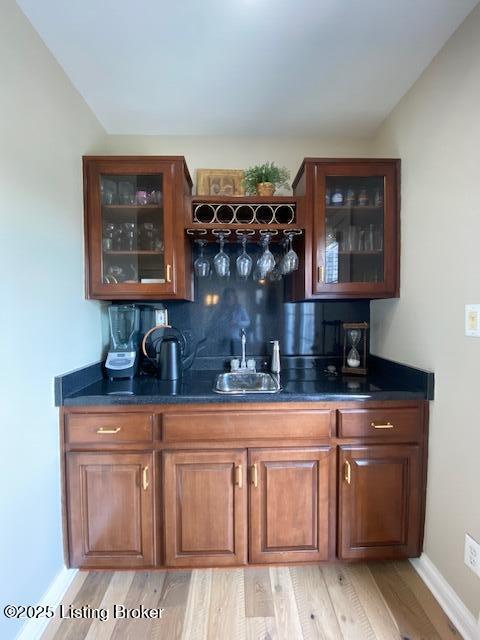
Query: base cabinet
x,y
205,500
290,503
111,521
223,486
379,510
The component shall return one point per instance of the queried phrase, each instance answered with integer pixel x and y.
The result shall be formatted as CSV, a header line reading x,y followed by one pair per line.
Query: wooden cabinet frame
x,y
309,185
176,209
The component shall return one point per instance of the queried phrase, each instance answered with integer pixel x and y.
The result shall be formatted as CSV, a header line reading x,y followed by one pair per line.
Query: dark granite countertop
x,y
387,380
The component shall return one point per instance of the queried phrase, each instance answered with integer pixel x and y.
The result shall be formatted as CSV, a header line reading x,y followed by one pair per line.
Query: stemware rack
x,y
235,233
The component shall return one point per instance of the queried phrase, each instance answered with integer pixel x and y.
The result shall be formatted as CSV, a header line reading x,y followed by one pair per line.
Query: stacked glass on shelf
x,y
350,197
131,236
266,267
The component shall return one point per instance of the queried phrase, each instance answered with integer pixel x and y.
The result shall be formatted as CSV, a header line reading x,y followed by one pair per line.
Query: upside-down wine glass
x,y
266,261
244,261
201,265
221,261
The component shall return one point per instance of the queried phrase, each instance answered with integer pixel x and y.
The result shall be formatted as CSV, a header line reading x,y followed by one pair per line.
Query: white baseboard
x,y
458,613
33,629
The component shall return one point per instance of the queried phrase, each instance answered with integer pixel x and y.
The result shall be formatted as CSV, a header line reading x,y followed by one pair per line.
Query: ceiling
x,y
244,67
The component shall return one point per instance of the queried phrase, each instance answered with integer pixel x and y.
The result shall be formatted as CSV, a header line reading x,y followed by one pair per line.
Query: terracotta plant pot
x,y
265,189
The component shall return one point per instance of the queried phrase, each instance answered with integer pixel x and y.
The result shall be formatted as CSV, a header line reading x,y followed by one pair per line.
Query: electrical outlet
x,y
472,554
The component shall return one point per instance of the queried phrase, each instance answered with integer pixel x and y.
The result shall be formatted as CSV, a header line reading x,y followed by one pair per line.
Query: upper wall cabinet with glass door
x,y
353,206
135,213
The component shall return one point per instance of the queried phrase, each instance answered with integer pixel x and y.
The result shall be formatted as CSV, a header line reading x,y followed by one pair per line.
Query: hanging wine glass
x,y
353,357
244,261
290,261
266,261
221,261
201,265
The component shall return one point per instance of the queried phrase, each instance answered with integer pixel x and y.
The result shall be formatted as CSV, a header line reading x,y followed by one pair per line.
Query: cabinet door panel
x,y
290,504
205,508
110,509
379,501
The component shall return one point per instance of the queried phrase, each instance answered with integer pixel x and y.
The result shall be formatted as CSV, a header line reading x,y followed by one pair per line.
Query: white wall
x,y
220,152
435,130
47,326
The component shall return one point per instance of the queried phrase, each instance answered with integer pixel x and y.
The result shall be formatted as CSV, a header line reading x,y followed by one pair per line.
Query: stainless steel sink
x,y
246,382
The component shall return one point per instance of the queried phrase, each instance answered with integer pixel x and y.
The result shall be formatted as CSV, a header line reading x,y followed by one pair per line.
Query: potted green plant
x,y
263,179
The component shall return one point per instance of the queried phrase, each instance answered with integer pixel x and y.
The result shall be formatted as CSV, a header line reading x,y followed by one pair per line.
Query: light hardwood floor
x,y
386,601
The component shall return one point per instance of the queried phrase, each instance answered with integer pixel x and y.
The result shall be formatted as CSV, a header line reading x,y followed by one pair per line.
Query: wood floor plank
x,y
351,616
145,589
195,626
68,598
90,595
315,608
115,594
227,606
261,629
285,605
174,600
409,616
444,627
258,593
375,607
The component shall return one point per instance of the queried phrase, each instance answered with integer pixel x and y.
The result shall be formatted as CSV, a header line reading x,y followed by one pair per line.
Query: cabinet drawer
x,y
266,425
108,428
405,422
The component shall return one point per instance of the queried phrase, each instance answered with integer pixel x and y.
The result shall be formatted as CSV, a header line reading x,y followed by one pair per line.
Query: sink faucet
x,y
243,362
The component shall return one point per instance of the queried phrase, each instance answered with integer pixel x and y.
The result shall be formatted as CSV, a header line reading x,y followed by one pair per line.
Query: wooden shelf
x,y
123,207
360,253
133,253
344,208
239,200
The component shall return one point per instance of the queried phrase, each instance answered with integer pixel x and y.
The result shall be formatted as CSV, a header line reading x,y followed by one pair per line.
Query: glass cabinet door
x,y
130,230
355,230
133,234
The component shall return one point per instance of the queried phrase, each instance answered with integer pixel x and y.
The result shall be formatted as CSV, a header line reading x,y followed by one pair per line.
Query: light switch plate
x,y
472,320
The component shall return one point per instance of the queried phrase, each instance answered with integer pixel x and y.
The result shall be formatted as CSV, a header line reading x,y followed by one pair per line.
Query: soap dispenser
x,y
275,366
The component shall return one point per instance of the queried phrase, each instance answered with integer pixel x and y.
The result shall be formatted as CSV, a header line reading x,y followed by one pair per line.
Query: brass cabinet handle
x,y
103,431
321,274
169,273
389,425
254,473
347,472
145,481
239,476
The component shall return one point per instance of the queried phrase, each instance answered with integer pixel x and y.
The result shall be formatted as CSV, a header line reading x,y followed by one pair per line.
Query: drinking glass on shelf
x,y
351,243
201,265
244,261
130,235
147,235
289,262
221,261
108,231
370,238
117,237
266,261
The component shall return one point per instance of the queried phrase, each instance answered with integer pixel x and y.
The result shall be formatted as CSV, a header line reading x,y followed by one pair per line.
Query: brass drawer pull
x,y
239,476
382,426
145,481
347,472
103,431
169,273
254,473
